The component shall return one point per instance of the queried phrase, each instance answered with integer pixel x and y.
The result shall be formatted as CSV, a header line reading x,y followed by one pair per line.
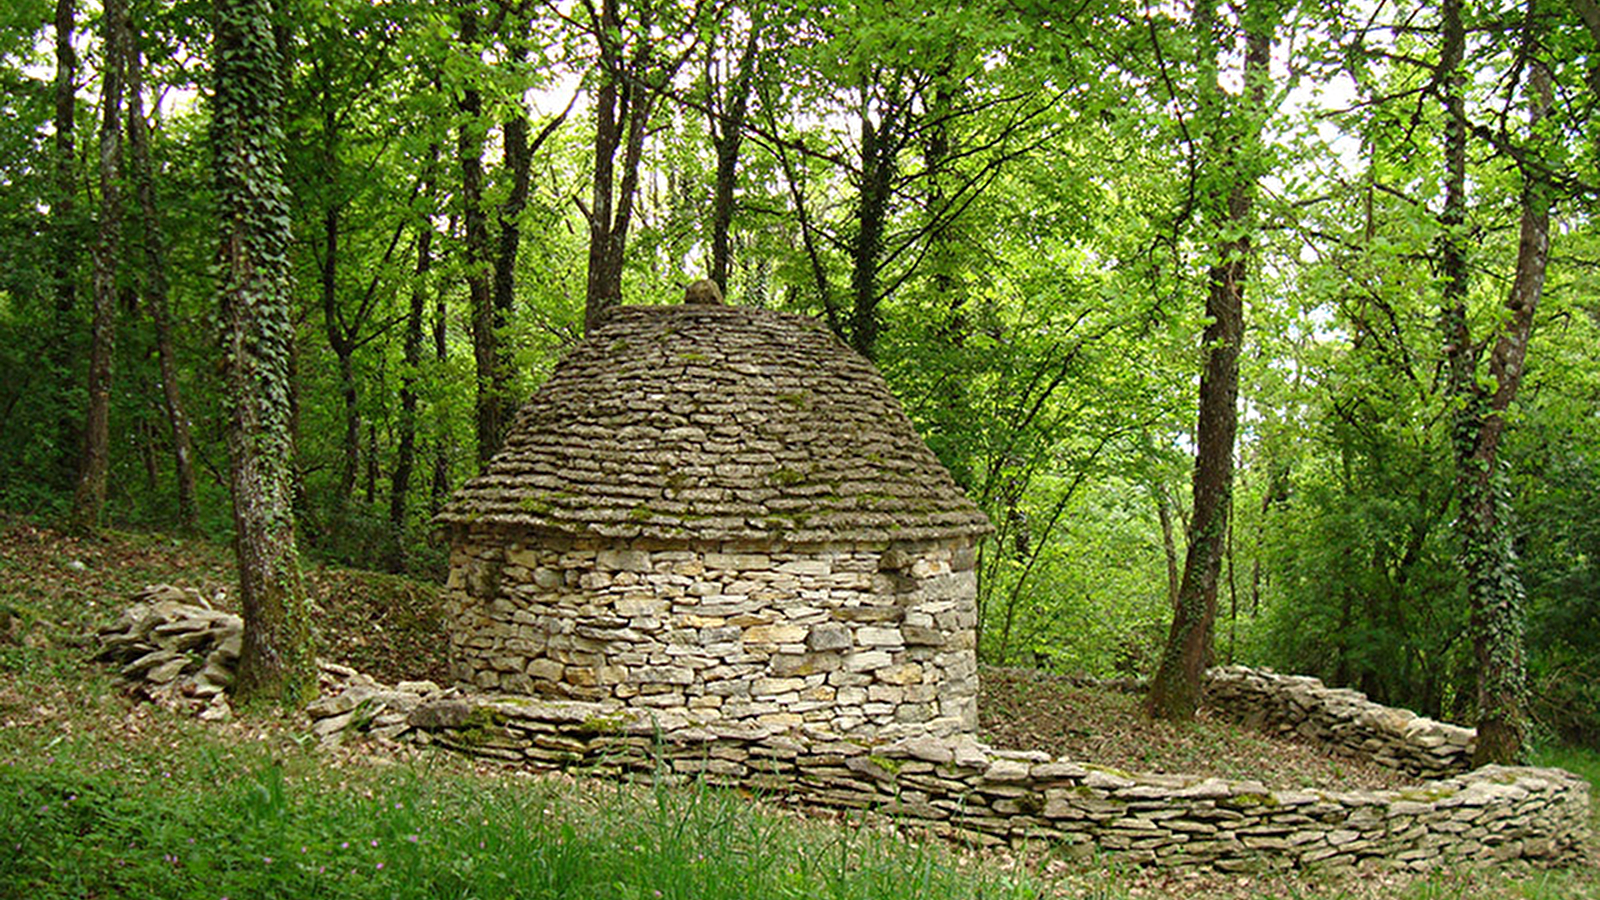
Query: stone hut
x,y
721,510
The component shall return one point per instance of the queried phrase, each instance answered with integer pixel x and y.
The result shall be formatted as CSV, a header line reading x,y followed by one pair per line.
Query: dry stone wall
x,y
962,788
857,639
1341,719
180,652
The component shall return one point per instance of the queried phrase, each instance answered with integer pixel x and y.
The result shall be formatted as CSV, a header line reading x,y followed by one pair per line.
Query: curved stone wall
x,y
870,640
182,654
961,787
1340,718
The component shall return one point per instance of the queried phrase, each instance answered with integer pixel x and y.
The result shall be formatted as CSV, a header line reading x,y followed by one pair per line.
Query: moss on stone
x,y
605,724
484,724
1250,799
892,766
784,477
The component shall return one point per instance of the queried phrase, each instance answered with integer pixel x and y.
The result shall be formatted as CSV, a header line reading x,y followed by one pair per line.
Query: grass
x,y
253,826
103,797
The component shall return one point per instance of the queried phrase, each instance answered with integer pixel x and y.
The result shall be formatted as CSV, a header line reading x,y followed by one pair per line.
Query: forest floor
x,y
55,588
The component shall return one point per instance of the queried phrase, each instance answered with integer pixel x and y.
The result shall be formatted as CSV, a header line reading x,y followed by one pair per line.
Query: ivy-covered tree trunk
x,y
1494,585
90,497
276,661
1228,194
156,294
880,144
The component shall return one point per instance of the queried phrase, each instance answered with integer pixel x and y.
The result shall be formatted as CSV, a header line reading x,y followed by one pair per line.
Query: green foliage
x,y
1038,293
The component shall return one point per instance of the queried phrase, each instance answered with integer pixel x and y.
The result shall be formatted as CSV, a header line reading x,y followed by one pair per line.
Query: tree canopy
x,y
1054,229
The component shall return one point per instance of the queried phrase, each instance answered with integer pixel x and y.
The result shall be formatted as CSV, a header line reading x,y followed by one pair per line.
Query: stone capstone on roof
x,y
716,423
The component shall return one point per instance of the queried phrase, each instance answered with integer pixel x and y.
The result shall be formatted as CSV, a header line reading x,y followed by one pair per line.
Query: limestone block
x,y
803,664
828,636
775,634
866,661
910,673
878,636
663,675
883,693
769,686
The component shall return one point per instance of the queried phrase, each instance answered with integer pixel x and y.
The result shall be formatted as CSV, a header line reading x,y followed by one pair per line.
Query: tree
x,y
1227,194
65,231
90,497
276,661
727,107
633,67
400,477
1494,585
154,282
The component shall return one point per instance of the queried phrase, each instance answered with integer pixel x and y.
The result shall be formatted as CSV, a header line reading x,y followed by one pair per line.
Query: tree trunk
x,y
518,162
604,287
276,661
879,145
406,454
64,205
1169,546
90,497
155,290
727,134
65,238
623,106
1175,689
342,342
480,296
439,490
370,485
1494,585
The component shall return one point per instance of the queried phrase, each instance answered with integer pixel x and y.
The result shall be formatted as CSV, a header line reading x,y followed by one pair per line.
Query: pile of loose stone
x,y
1340,718
175,649
172,647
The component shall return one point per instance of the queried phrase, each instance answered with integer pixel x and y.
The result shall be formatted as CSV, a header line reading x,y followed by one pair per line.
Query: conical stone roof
x,y
716,423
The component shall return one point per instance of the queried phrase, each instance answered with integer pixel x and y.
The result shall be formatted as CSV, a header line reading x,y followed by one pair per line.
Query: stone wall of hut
x,y
854,639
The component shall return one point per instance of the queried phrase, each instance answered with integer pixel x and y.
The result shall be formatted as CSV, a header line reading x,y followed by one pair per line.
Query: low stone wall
x,y
871,640
182,654
961,787
1341,719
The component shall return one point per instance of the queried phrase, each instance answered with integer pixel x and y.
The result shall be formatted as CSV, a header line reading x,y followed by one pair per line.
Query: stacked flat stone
x,y
353,704
953,784
722,510
961,788
1341,719
716,423
175,648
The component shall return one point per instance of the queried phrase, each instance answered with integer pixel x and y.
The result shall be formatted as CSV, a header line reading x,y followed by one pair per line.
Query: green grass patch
x,y
250,828
1581,761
